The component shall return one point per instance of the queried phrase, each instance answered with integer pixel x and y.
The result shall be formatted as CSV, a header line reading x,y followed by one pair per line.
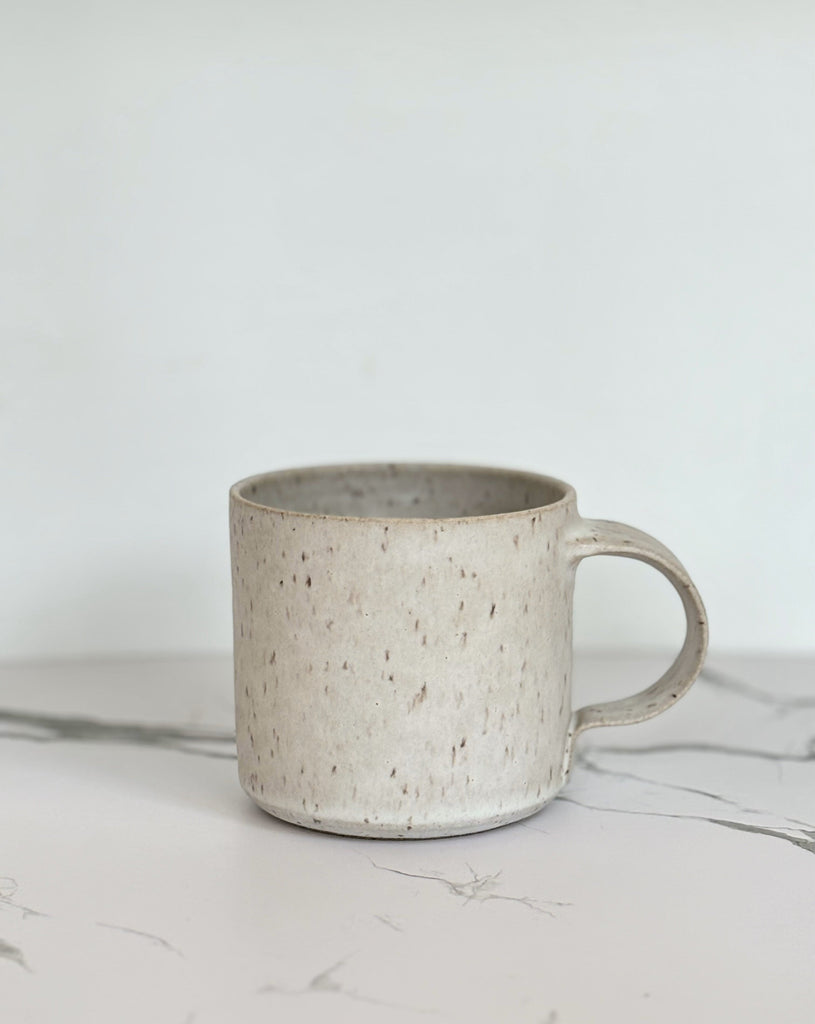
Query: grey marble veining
x,y
127,841
13,954
42,728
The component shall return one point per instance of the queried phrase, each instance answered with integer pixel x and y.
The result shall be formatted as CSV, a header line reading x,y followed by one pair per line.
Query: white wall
x,y
577,237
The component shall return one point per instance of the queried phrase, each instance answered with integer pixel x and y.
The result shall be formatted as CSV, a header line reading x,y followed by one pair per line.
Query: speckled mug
x,y
403,644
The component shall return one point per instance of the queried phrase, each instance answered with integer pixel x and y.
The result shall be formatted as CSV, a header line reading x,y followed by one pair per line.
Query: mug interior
x,y
393,491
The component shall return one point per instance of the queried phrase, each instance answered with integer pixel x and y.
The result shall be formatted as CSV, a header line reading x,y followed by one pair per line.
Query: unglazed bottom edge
x,y
400,830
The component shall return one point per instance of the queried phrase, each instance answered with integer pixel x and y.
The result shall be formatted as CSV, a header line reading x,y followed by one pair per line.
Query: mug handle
x,y
600,537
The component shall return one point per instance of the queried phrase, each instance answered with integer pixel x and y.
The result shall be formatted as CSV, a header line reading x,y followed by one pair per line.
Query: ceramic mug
x,y
403,644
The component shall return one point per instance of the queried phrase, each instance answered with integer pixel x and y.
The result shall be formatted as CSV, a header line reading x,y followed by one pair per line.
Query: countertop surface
x,y
672,880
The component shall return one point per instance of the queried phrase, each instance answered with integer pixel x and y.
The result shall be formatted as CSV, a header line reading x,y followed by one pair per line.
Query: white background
x,y
575,237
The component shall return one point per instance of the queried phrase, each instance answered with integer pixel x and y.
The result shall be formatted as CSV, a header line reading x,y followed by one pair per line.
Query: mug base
x,y
401,830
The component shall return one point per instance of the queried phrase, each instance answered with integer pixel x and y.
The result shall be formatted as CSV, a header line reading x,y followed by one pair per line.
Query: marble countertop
x,y
673,880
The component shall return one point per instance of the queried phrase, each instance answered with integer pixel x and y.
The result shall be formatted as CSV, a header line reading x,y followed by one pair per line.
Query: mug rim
x,y
566,497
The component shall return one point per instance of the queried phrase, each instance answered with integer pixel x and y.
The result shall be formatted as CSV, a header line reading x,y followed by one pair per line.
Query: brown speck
x,y
273,658
416,626
463,741
419,697
453,760
387,655
424,640
463,639
384,546
393,772
404,789
303,556
461,607
515,540
390,677
334,770
492,611
308,581
329,624
345,665
463,573
294,577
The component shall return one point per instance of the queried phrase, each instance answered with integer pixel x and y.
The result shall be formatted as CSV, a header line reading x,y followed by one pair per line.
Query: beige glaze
x,y
403,644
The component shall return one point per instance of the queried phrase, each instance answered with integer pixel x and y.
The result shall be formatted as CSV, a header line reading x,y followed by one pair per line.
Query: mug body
x,y
402,645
